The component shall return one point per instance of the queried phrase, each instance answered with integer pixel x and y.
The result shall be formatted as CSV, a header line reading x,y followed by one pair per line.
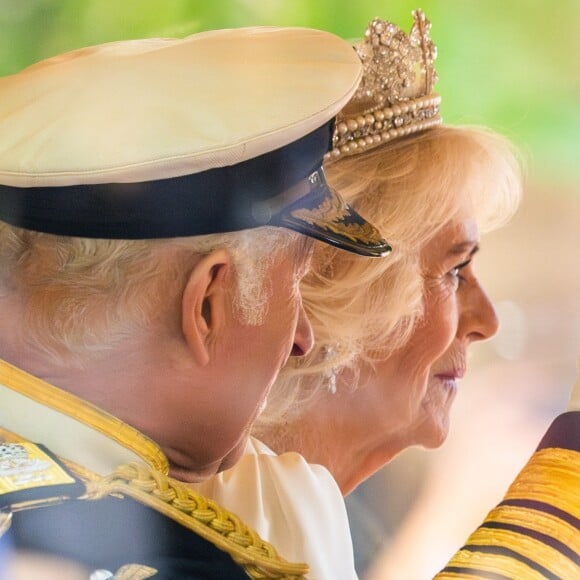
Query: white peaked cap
x,y
169,114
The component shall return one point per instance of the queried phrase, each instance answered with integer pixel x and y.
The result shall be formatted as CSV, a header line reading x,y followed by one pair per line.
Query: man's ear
x,y
205,303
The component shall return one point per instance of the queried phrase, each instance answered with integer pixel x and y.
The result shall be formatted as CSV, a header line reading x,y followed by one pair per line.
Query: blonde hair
x,y
364,309
82,296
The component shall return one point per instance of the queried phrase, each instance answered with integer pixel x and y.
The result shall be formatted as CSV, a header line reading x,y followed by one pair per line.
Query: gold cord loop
x,y
203,516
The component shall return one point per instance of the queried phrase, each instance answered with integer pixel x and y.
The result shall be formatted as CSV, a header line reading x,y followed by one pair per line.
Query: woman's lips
x,y
450,377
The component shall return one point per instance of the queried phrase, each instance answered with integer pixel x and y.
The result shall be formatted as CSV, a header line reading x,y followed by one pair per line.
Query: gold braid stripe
x,y
530,548
9,437
458,576
199,514
538,521
492,563
552,476
73,407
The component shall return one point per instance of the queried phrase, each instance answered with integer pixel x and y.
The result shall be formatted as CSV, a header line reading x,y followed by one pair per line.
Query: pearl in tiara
x,y
395,97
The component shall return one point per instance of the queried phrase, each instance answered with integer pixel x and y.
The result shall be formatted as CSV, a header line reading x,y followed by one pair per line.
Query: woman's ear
x,y
205,303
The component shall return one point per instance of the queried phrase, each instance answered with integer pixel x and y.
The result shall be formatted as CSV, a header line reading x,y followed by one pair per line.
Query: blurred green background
x,y
511,65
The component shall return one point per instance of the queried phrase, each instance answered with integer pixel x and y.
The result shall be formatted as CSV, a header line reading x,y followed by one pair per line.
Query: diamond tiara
x,y
396,95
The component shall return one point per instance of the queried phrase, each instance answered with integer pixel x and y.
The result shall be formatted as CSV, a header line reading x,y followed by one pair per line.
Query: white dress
x,y
295,506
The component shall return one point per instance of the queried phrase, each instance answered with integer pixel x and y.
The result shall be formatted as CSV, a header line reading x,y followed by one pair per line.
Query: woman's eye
x,y
456,271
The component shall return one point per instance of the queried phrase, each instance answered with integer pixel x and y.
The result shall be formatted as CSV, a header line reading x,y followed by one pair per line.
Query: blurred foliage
x,y
509,65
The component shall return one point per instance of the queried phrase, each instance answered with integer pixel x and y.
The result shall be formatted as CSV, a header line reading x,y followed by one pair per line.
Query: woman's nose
x,y
478,318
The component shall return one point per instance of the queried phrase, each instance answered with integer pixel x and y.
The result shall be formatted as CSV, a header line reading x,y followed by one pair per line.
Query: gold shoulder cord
x,y
199,514
175,500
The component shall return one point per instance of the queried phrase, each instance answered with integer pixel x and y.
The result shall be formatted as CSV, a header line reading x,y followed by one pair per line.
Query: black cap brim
x,y
325,216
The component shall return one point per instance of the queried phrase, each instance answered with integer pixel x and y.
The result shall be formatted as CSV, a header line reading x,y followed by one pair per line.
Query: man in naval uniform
x,y
153,194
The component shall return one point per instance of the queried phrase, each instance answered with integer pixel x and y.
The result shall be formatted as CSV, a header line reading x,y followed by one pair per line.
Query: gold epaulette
x,y
535,531
31,475
203,516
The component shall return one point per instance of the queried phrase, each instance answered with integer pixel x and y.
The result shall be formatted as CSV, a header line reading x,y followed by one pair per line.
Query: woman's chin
x,y
436,407
434,428
436,435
